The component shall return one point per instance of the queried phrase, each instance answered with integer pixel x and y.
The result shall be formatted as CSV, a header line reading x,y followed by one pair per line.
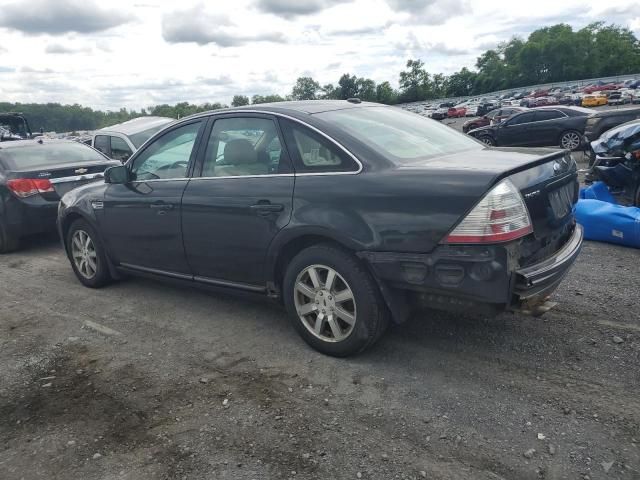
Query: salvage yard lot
x,y
199,385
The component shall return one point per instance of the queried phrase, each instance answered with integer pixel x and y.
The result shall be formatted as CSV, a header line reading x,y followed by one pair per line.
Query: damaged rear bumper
x,y
485,279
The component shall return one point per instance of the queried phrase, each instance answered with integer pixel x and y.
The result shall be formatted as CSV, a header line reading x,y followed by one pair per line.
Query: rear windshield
x,y
401,136
139,138
47,155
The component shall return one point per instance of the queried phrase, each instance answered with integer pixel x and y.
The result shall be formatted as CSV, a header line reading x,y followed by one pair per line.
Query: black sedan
x,y
34,174
543,126
351,214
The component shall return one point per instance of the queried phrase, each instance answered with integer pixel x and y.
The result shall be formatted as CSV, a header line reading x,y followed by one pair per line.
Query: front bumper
x,y
485,279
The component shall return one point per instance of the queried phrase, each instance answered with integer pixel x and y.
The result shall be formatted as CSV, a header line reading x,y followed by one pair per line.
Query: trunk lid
x,y
64,176
546,178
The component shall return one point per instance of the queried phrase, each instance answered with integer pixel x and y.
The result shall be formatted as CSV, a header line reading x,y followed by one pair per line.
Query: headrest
x,y
239,152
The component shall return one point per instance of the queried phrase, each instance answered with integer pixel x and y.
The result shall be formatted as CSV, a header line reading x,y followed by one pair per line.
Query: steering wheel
x,y
178,164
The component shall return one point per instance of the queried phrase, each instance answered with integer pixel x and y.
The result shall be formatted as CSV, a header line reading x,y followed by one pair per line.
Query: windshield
x,y
401,136
47,155
139,138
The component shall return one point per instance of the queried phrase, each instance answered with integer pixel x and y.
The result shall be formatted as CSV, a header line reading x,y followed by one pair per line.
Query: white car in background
x,y
121,140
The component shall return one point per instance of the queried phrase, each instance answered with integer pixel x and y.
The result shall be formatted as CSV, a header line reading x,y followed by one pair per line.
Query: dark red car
x,y
455,112
601,88
496,115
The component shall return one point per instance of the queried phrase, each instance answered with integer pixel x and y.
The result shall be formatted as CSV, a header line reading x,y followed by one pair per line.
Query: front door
x,y
515,131
242,199
143,228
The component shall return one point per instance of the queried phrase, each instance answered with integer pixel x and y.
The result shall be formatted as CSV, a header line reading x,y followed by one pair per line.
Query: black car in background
x,y
351,214
536,127
494,116
600,122
34,174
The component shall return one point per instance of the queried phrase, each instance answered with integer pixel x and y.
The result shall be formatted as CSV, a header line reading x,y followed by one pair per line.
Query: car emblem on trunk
x,y
80,171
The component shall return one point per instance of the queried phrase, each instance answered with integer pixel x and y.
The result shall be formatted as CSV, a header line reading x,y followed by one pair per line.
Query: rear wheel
x,y
8,243
570,140
87,255
487,140
333,301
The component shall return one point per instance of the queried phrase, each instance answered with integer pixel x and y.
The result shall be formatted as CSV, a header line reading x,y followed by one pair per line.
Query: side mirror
x,y
117,174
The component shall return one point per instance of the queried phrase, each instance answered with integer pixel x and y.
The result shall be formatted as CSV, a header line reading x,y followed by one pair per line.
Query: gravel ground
x,y
145,380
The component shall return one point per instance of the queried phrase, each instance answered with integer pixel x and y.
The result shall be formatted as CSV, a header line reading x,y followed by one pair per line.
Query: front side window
x,y
168,156
520,119
119,149
243,146
103,144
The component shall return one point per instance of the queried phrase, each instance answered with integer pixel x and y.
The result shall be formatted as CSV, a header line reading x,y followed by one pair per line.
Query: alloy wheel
x,y
325,303
486,140
570,140
84,255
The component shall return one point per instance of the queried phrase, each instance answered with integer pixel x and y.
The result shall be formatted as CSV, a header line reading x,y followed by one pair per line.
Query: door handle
x,y
161,206
266,208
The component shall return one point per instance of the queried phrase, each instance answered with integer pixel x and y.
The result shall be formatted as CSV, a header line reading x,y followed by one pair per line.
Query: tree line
x,y
549,54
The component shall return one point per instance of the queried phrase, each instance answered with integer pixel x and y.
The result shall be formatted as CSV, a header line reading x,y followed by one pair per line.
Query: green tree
x,y
306,88
240,101
386,94
415,82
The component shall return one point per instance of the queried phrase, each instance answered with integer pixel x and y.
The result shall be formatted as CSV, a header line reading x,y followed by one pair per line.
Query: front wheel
x,y
487,140
333,301
570,140
87,255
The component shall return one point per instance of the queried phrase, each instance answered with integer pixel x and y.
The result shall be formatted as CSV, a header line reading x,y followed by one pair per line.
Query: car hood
x,y
486,128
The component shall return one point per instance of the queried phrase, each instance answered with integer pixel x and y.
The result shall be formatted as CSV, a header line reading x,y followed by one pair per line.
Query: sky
x,y
138,53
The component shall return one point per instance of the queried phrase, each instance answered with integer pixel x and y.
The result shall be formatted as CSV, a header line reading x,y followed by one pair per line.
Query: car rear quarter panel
x,y
401,210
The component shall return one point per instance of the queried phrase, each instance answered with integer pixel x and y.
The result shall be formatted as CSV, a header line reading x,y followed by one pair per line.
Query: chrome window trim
x,y
311,127
76,178
302,174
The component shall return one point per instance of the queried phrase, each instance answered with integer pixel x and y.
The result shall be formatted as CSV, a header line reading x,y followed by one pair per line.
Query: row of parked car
x,y
591,95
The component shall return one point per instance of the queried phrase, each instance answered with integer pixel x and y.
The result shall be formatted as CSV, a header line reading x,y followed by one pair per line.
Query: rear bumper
x,y
483,279
542,279
29,216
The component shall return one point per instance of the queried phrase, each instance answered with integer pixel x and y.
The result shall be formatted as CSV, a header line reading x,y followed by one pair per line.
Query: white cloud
x,y
152,52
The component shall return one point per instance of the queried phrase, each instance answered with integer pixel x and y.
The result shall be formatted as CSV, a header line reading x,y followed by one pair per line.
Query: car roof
x,y
136,125
32,142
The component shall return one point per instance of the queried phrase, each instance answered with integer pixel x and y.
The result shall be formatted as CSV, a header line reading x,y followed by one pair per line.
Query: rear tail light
x,y
27,187
499,217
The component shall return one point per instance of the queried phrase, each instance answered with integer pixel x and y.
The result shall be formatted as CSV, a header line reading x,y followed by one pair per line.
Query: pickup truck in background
x,y
14,126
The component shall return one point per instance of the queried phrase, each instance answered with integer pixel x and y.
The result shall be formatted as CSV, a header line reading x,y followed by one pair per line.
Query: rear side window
x,y
103,144
312,152
520,119
548,115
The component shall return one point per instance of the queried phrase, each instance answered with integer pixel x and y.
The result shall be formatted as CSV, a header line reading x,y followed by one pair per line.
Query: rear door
x,y
239,201
547,127
142,217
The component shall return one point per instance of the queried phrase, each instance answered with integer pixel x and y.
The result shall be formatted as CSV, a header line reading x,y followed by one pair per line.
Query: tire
x,y
8,243
91,274
570,140
487,140
365,307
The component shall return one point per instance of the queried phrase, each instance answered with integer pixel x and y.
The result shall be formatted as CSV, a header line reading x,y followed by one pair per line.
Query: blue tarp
x,y
606,221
